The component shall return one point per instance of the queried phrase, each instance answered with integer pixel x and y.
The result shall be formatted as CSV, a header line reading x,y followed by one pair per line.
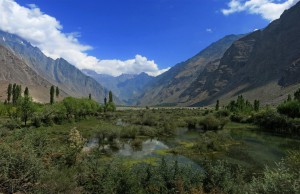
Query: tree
x,y
90,96
217,105
25,108
52,95
14,94
110,97
297,95
26,92
256,105
289,98
105,101
57,92
9,92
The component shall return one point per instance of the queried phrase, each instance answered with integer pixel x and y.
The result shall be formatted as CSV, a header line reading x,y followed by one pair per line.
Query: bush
x,y
13,124
273,122
191,122
290,108
19,170
211,123
283,179
222,113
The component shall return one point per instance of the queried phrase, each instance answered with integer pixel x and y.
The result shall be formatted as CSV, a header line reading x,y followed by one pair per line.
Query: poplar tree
x,y
9,92
217,105
14,94
26,92
52,95
57,92
256,105
110,97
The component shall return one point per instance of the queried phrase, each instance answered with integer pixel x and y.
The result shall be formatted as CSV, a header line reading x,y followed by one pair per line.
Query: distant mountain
x,y
58,72
14,70
127,87
264,65
168,87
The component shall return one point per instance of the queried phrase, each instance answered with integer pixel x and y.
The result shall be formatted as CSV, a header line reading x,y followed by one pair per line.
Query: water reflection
x,y
148,148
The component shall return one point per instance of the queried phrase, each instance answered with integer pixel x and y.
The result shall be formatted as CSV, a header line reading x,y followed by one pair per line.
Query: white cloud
x,y
267,9
209,30
45,32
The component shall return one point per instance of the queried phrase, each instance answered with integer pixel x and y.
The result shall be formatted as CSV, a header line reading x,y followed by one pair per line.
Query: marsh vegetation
x,y
79,146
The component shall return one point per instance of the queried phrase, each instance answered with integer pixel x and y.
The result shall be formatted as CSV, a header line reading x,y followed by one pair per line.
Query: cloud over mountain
x,y
45,32
267,9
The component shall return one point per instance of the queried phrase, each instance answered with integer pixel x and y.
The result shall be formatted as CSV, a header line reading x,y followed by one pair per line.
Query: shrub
x,y
273,122
13,124
290,108
211,123
222,113
282,179
19,170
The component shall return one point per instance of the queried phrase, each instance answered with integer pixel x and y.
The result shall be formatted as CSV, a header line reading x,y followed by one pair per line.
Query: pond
x,y
254,148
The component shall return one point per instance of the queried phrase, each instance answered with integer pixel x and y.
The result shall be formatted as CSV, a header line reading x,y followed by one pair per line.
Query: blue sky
x,y
161,32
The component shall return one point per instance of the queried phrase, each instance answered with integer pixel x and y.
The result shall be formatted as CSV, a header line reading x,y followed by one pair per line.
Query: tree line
x,y
23,108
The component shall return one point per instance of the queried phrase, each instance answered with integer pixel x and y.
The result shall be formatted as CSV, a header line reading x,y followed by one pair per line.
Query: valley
x,y
77,118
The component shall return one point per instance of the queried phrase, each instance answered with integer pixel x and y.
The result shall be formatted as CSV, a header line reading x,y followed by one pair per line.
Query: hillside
x,y
168,87
14,70
58,72
263,65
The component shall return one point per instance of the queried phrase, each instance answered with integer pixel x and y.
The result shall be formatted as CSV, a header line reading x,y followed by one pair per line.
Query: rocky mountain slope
x,y
58,72
127,87
263,59
14,70
166,89
262,65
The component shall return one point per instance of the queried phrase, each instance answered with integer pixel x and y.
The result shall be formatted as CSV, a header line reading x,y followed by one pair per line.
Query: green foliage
x,y
52,95
223,177
290,108
9,92
110,97
210,122
241,105
289,98
297,95
212,141
26,92
271,121
57,92
25,108
20,171
217,105
16,93
110,107
222,113
256,105
114,177
285,178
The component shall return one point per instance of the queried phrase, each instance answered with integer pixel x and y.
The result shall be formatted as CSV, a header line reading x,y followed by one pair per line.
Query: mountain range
x,y
127,87
263,64
56,72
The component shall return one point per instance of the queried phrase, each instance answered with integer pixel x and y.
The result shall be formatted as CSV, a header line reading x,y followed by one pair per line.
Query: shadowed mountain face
x,y
265,56
262,65
58,72
14,70
168,87
127,87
